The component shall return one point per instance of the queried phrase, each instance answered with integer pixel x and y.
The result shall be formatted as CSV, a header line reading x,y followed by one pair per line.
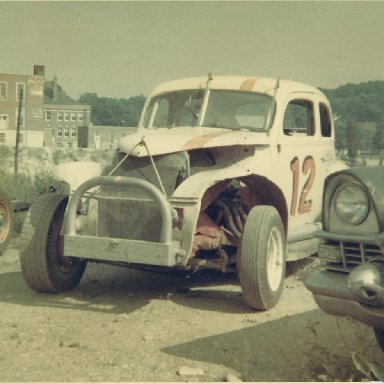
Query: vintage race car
x,y
351,282
223,173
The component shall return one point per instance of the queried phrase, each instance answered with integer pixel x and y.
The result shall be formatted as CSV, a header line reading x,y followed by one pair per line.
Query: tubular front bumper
x,y
331,293
165,253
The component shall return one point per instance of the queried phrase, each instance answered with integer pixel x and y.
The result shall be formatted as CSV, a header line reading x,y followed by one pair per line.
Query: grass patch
x,y
35,169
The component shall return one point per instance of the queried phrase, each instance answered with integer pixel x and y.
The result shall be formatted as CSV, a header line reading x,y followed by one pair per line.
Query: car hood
x,y
162,141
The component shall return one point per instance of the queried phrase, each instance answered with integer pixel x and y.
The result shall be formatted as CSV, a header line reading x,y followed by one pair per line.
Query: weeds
x,y
35,171
334,365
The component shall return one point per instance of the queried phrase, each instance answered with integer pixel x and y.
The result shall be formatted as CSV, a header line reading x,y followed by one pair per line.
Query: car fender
x,y
75,173
189,195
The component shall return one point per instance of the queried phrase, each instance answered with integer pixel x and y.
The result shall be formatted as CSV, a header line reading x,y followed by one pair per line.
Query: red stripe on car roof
x,y
248,84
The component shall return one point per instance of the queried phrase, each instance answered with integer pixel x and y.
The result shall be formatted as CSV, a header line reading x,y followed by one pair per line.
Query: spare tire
x,y
6,220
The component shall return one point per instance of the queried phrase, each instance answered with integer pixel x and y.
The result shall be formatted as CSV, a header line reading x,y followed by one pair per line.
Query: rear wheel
x,y
262,258
6,220
43,265
379,333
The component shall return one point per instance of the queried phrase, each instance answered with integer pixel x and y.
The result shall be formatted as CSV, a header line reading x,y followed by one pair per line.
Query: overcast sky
x,y
122,49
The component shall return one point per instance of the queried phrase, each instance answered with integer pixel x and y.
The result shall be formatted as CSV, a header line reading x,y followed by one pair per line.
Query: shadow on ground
x,y
303,347
114,289
120,290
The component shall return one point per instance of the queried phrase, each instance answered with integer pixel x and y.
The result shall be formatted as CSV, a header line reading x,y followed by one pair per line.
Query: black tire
x,y
42,263
6,220
261,259
379,334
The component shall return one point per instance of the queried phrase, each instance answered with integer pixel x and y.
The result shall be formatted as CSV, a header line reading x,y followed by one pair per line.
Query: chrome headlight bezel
x,y
351,203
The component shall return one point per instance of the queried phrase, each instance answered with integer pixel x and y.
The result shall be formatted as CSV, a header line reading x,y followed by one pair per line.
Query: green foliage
x,y
114,112
353,104
362,102
378,139
35,174
352,138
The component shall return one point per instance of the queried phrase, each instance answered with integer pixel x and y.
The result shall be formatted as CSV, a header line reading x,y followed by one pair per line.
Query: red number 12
x,y
310,169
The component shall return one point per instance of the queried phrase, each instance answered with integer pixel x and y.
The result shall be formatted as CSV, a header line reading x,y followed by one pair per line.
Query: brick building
x,y
63,116
31,127
49,117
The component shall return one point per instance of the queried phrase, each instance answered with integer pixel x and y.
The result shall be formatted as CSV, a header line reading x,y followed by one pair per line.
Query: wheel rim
x,y
56,243
5,221
275,259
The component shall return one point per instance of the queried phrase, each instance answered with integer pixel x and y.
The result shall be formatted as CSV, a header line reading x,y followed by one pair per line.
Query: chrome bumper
x,y
331,293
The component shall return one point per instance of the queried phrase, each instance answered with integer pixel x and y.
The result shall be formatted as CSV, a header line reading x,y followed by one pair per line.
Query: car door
x,y
305,150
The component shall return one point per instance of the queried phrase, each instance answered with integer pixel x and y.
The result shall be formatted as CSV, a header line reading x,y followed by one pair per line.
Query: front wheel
x,y
6,220
261,259
43,264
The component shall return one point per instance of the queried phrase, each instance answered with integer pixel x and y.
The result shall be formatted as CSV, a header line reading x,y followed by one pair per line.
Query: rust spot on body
x,y
248,84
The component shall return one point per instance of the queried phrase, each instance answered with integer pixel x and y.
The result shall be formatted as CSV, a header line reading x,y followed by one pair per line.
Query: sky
x,y
123,49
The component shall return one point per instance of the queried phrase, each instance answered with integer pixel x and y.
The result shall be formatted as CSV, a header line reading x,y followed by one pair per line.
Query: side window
x,y
298,118
325,121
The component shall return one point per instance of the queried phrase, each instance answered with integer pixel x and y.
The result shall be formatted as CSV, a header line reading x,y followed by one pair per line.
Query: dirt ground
x,y
125,325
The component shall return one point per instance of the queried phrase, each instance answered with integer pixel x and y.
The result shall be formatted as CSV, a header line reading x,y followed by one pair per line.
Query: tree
x,y
352,138
114,112
378,139
340,135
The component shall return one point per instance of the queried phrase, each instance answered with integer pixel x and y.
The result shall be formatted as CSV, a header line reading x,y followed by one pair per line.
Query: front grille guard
x,y
352,250
165,210
163,253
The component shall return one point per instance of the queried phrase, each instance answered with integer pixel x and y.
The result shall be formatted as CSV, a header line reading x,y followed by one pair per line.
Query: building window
x,y
80,116
20,87
73,116
22,116
3,121
66,116
59,116
59,132
48,116
73,132
112,139
2,138
3,90
21,139
66,132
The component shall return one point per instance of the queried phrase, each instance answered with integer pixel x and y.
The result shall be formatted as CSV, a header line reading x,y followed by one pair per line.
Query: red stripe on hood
x,y
200,141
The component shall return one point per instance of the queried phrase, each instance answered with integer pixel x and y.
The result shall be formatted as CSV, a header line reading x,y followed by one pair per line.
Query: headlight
x,y
351,204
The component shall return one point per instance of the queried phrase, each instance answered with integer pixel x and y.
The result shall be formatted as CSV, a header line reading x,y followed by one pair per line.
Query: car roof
x,y
241,83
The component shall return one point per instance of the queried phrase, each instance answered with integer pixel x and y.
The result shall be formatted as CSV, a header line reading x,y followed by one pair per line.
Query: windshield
x,y
224,109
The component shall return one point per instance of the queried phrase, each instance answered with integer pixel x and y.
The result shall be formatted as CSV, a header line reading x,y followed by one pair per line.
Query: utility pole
x,y
18,131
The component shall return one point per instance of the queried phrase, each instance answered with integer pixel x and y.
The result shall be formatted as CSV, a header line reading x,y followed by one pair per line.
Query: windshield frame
x,y
152,108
